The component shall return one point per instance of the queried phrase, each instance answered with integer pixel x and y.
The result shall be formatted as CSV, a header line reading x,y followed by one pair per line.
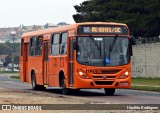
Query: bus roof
x,y
67,28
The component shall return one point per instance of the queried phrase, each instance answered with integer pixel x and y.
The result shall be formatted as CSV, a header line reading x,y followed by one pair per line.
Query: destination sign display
x,y
90,29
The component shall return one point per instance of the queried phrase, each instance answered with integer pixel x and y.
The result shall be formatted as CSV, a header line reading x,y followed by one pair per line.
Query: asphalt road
x,y
122,96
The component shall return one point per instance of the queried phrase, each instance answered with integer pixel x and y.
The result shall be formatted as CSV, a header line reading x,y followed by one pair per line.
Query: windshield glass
x,y
103,51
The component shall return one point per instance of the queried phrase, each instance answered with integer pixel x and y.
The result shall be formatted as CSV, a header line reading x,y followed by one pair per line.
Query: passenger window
x,y
33,46
36,46
56,39
55,44
63,45
39,46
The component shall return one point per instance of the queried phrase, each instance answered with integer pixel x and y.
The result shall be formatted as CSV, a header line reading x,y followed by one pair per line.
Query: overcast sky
x,y
36,12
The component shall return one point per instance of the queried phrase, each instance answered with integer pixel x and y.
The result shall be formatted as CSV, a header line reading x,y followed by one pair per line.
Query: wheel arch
x,y
32,71
61,76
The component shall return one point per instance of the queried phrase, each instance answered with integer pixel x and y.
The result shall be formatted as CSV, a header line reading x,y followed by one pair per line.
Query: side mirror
x,y
133,40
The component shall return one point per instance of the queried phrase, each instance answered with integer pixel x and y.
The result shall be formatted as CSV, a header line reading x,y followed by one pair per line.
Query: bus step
x,y
71,85
46,85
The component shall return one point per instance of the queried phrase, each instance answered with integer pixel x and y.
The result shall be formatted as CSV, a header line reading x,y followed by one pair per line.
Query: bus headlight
x,y
124,75
83,75
80,73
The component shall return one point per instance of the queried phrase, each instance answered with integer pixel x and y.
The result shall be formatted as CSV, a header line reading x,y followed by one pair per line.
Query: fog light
x,y
85,76
123,76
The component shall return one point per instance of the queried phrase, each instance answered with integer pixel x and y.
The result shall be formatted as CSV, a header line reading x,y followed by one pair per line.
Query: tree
x,y
8,60
16,59
8,48
5,49
142,16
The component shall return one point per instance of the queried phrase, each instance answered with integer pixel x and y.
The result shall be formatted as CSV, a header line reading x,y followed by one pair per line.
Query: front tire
x,y
109,91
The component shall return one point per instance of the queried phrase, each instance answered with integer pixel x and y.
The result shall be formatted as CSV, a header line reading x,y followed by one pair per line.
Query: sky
x,y
14,13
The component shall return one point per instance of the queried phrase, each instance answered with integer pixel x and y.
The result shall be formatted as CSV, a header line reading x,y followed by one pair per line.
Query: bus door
x,y
71,62
45,63
25,63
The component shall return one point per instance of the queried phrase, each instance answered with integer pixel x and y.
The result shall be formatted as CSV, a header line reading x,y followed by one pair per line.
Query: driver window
x,y
124,47
84,48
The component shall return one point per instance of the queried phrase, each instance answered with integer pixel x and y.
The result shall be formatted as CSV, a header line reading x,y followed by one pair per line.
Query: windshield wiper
x,y
113,43
110,49
94,42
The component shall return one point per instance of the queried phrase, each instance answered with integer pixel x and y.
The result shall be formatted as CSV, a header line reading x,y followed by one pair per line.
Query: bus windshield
x,y
103,51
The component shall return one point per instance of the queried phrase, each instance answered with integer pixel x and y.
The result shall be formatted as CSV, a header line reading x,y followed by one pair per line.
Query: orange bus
x,y
83,55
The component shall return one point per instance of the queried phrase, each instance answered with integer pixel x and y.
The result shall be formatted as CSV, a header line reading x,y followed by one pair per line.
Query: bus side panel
x,y
53,80
57,64
35,63
53,72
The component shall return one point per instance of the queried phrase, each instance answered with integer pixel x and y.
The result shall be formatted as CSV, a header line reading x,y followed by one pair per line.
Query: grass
x,y
8,72
146,81
15,77
147,84
146,88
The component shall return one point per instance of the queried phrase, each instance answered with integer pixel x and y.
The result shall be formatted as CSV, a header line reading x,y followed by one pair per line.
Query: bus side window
x,y
39,46
55,44
32,46
51,44
63,45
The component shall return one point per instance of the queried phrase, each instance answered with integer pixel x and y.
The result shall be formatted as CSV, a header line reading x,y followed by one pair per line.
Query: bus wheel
x,y
34,84
33,79
64,89
109,91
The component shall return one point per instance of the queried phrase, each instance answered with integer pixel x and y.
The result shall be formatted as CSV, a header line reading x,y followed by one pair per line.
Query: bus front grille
x,y
107,77
110,71
104,82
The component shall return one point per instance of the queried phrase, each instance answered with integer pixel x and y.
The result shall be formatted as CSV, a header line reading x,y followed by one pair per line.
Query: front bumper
x,y
81,83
